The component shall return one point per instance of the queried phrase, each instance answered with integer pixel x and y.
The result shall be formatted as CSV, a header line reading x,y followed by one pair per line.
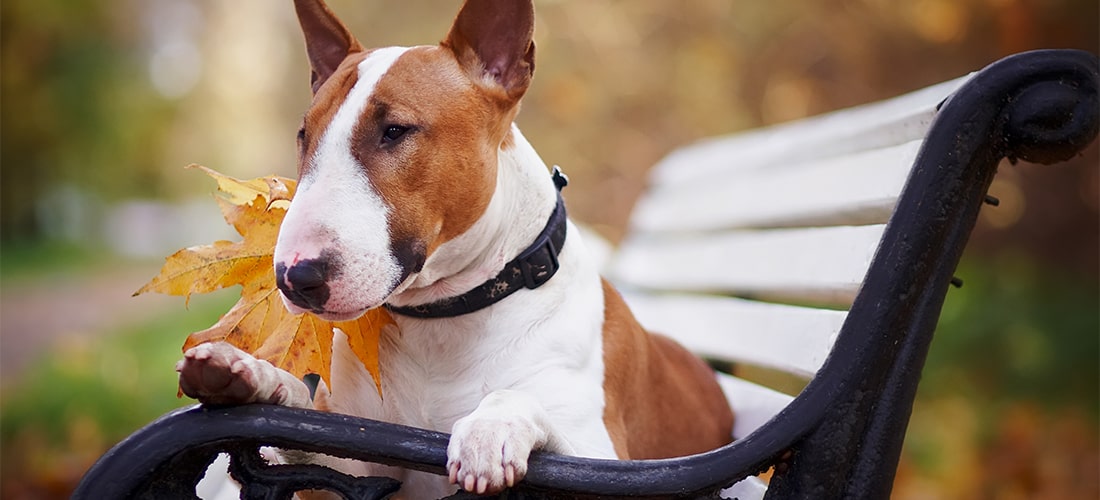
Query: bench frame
x,y
840,437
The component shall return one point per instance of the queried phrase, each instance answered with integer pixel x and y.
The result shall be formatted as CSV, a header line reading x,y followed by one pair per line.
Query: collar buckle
x,y
539,263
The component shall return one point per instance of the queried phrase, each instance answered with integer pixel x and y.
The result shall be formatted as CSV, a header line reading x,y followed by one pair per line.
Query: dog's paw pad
x,y
218,373
485,456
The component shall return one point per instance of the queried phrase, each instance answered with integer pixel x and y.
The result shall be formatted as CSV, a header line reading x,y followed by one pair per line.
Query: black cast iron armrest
x,y
169,456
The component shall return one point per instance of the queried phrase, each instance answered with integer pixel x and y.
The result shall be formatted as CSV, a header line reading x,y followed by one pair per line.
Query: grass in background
x,y
88,394
30,261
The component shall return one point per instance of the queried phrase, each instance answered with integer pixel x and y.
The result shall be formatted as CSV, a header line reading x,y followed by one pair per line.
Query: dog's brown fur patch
x,y
662,401
440,176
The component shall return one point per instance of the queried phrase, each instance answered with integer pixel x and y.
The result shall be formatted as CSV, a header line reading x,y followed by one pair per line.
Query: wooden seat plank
x,y
789,338
756,404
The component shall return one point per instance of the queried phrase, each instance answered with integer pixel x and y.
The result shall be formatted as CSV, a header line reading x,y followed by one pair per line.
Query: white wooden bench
x,y
750,248
862,213
733,231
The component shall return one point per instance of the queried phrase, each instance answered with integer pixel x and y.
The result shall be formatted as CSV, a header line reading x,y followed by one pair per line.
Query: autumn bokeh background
x,y
104,102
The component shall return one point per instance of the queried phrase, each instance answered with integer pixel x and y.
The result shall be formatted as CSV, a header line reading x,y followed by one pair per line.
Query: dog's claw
x,y
510,475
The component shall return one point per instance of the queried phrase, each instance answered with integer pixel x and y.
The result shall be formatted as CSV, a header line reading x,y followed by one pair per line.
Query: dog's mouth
x,y
337,317
327,315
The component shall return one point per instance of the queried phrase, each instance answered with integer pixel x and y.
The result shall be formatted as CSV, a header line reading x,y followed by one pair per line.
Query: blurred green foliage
x,y
77,108
29,261
1010,399
89,393
1017,331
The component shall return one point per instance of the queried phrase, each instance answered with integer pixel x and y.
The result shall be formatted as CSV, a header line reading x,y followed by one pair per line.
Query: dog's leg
x,y
218,373
489,448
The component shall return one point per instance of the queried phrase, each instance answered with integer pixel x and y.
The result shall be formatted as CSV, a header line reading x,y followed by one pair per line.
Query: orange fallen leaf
x,y
259,323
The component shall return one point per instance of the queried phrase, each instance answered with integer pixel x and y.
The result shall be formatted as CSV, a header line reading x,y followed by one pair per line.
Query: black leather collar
x,y
531,269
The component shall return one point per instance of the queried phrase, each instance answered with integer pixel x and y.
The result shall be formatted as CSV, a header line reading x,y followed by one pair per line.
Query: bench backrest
x,y
801,223
735,231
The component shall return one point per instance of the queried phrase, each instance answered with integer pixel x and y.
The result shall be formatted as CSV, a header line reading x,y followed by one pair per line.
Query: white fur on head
x,y
336,212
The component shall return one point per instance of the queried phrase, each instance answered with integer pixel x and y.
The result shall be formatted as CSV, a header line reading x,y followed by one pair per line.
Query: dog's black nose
x,y
305,284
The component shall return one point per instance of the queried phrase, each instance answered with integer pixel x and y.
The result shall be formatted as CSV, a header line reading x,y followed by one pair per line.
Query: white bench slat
x,y
872,126
789,338
825,264
850,190
750,488
756,404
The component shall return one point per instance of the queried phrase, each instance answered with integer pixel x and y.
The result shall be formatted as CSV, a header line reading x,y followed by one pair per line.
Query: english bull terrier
x,y
418,193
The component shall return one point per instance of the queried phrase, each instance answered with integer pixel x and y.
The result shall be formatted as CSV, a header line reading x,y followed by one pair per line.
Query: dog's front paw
x,y
485,456
218,373
489,448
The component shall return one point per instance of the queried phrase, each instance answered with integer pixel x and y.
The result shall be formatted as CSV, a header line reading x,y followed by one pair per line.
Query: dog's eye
x,y
393,133
301,135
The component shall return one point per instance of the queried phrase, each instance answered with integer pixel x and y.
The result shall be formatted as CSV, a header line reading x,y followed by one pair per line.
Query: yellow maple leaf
x,y
259,323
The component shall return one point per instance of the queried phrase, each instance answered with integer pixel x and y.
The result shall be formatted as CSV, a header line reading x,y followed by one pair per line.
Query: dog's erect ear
x,y
328,41
494,38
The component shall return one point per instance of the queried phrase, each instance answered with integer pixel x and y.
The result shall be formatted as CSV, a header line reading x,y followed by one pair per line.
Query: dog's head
x,y
397,153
